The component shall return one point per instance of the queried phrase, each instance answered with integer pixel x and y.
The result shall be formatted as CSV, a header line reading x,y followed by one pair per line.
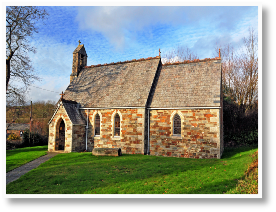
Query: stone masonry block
x,y
140,120
214,151
214,129
214,119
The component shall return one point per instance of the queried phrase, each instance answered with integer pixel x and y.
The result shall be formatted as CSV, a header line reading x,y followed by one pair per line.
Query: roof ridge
x,y
122,62
191,61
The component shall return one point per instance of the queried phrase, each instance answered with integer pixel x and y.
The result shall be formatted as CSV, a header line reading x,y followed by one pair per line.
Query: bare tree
x,y
180,54
249,67
20,26
240,71
229,66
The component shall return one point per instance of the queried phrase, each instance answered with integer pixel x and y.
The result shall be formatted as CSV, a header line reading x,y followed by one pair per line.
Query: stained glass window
x,y
117,125
177,125
97,124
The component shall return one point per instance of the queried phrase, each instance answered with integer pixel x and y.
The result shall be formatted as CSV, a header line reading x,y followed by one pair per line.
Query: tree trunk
x,y
8,72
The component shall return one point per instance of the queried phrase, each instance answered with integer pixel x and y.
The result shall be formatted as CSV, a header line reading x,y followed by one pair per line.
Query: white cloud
x,y
172,60
53,64
115,23
48,89
52,57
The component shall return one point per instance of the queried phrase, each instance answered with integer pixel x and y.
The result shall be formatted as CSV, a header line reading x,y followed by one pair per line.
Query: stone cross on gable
x,y
62,94
159,53
79,42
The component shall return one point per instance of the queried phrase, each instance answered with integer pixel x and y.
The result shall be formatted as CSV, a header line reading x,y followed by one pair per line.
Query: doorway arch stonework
x,y
54,131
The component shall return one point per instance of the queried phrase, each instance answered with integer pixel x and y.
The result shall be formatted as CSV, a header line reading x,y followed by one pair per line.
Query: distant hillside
x,y
41,113
40,110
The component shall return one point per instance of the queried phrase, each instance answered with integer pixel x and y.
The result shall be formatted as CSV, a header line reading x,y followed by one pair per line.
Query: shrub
x,y
242,138
35,139
13,136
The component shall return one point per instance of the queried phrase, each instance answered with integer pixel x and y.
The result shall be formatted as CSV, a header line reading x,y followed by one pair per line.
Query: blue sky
x,y
112,34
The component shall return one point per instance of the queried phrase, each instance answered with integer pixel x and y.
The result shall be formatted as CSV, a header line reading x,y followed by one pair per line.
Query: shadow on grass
x,y
216,187
230,152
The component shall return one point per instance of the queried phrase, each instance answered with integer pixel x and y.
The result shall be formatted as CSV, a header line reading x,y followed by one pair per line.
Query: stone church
x,y
142,107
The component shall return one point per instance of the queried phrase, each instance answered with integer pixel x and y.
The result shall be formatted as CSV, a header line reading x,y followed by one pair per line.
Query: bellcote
x,y
79,61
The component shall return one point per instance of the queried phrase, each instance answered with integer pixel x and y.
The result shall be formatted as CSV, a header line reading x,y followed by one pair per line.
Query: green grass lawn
x,y
83,173
20,156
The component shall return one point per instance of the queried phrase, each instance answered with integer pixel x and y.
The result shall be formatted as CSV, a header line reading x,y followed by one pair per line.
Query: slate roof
x,y
122,84
17,126
190,83
78,48
72,111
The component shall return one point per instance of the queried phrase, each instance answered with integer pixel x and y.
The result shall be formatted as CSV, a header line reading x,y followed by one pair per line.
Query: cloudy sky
x,y
112,34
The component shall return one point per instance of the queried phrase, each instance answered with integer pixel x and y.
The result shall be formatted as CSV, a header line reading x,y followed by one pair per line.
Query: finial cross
x,y
62,94
79,42
159,52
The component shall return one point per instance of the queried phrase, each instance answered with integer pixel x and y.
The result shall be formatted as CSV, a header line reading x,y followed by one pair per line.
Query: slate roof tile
x,y
17,126
72,110
74,114
122,84
193,83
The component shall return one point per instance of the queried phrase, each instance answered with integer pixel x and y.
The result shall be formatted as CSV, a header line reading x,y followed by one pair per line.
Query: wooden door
x,y
61,136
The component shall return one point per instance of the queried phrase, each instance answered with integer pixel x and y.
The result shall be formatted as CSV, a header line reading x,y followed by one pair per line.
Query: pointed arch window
x,y
177,125
117,125
97,125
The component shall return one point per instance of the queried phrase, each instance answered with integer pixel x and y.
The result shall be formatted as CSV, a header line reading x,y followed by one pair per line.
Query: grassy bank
x,y
249,183
82,173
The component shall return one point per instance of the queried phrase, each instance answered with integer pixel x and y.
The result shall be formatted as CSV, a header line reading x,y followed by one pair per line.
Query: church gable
x,y
66,125
60,131
70,110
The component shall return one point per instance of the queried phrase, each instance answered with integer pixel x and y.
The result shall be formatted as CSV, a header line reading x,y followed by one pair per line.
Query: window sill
x,y
97,137
176,136
116,138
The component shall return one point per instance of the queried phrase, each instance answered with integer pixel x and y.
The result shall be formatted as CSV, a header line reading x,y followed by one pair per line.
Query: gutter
x,y
182,108
86,131
148,150
101,108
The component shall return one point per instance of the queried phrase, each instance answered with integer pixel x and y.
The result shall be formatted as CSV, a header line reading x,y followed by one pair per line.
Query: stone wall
x,y
79,134
54,130
200,133
131,140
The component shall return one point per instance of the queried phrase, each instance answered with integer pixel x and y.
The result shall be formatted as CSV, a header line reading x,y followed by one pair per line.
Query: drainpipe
x,y
86,131
148,133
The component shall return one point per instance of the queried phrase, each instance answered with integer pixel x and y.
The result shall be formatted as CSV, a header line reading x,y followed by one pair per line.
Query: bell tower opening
x,y
79,61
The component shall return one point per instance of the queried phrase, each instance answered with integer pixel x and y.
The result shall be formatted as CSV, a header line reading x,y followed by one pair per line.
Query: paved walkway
x,y
18,172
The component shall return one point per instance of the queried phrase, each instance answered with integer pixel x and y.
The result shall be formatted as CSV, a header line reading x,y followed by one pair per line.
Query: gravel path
x,y
18,172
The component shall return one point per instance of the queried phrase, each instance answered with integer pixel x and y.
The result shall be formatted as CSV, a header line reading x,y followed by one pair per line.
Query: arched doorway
x,y
60,137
